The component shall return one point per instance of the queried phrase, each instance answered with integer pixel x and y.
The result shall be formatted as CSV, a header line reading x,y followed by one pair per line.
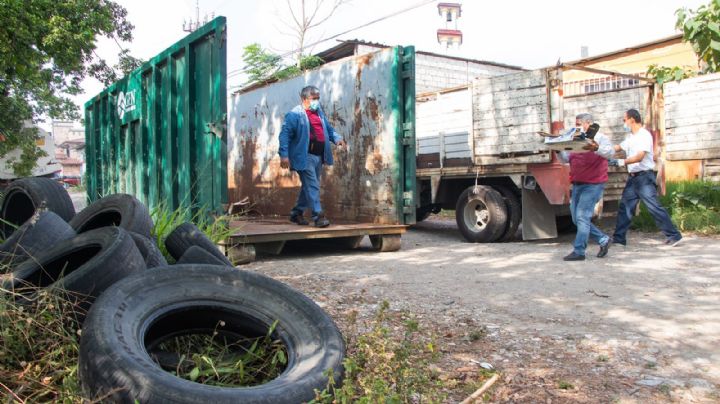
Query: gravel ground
x,y
641,325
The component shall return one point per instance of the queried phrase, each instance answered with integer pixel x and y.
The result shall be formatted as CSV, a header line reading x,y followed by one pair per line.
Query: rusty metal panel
x,y
363,100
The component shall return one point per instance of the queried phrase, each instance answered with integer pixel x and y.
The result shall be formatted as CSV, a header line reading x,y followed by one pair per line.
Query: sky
x,y
525,33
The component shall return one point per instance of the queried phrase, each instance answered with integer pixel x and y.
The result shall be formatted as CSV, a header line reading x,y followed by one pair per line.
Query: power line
x,y
394,14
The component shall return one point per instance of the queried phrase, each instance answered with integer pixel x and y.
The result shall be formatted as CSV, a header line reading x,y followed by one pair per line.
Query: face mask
x,y
314,105
626,128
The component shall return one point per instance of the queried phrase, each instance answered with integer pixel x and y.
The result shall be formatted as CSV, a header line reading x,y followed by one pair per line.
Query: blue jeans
x,y
642,187
582,204
309,197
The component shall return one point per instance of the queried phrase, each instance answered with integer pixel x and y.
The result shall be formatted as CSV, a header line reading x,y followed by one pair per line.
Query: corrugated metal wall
x,y
364,99
160,133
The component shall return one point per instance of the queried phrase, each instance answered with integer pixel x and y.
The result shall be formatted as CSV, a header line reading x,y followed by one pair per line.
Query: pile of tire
x,y
129,300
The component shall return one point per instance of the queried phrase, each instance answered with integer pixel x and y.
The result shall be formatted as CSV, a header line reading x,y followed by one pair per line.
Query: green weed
x,y
694,206
384,368
218,361
39,346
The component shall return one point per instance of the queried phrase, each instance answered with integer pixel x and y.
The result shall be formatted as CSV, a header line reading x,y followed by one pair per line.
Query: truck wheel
x,y
24,196
514,213
139,313
481,214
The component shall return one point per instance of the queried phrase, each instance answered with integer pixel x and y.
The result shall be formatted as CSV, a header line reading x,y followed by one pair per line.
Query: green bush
x,y
694,206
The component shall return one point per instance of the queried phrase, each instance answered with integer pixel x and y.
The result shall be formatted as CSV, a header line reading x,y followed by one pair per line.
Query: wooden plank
x,y
509,82
520,110
688,121
510,147
509,100
458,154
529,130
697,145
711,127
457,147
538,119
497,160
694,154
261,231
709,110
691,138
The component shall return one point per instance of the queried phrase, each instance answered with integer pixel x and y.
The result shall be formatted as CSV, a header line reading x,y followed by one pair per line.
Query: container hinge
x,y
408,73
408,199
216,128
408,128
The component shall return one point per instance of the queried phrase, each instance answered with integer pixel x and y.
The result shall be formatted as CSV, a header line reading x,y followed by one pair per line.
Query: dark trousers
x,y
642,187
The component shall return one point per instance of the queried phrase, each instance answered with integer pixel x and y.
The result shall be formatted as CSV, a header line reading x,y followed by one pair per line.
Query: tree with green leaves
x,y
701,28
46,50
261,65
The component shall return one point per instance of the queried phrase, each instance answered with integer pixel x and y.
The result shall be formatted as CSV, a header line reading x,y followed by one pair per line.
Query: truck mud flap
x,y
538,216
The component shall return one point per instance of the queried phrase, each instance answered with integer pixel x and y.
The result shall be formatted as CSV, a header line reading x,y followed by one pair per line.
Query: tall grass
x,y
39,346
694,206
165,220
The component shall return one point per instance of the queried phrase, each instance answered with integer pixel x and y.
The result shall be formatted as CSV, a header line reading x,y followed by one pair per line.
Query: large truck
x,y
479,152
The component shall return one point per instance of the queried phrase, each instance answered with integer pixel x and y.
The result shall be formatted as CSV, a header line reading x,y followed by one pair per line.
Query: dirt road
x,y
642,325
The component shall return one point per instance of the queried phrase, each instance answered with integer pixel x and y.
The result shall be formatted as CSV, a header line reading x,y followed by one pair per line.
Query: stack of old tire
x,y
129,300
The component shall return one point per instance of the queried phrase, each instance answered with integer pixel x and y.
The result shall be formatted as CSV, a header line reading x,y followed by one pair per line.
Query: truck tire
x,y
481,214
187,235
198,255
150,252
119,210
25,196
514,213
83,267
138,313
40,233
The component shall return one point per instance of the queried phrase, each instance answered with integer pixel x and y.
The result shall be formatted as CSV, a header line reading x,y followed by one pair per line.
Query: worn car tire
x,y
82,267
138,313
514,213
119,210
40,233
198,255
24,196
149,250
481,214
186,235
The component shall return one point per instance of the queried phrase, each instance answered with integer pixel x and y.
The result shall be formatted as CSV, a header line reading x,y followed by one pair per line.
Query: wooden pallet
x,y
270,236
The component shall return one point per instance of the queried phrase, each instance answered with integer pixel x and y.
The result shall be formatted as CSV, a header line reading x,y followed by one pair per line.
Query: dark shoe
x,y
603,249
298,219
612,240
673,242
574,257
321,221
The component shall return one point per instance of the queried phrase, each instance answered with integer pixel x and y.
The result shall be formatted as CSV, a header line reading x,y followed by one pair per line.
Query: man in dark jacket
x,y
304,147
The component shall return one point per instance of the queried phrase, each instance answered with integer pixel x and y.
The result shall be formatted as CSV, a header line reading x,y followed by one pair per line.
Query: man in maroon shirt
x,y
588,174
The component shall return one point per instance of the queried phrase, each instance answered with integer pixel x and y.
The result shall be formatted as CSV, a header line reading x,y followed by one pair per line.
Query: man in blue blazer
x,y
304,147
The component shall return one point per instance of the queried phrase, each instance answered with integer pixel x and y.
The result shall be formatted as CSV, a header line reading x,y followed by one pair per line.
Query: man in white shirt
x,y
640,185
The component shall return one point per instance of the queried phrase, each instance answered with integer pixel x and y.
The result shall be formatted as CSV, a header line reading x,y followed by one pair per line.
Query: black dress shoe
x,y
603,249
298,219
574,257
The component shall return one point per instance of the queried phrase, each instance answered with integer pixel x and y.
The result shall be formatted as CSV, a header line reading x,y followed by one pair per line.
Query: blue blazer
x,y
295,138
